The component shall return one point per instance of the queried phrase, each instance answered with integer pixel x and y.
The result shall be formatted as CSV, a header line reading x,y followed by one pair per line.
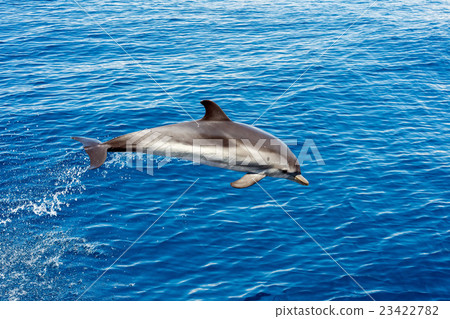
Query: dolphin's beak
x,y
301,180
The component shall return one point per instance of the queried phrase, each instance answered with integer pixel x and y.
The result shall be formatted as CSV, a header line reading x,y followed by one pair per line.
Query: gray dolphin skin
x,y
214,140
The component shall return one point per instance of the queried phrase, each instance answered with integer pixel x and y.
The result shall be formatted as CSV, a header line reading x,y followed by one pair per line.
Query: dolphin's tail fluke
x,y
95,149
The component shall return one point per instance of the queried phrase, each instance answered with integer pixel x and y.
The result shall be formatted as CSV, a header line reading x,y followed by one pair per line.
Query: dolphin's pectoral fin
x,y
247,180
213,112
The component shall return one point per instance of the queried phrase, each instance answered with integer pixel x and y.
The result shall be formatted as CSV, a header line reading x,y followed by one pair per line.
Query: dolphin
x,y
213,140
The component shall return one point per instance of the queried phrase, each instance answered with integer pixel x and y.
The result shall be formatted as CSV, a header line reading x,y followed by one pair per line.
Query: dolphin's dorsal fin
x,y
247,180
213,112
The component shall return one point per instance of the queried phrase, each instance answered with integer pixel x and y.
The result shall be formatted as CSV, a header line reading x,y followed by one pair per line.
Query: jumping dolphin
x,y
214,140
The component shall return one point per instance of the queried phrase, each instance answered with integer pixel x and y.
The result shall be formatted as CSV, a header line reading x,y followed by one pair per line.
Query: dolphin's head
x,y
288,168
293,174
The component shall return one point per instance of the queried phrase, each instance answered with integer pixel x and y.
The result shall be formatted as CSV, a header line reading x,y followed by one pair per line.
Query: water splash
x,y
39,267
68,182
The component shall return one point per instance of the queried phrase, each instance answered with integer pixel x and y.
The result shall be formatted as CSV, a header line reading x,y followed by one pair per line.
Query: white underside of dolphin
x,y
214,140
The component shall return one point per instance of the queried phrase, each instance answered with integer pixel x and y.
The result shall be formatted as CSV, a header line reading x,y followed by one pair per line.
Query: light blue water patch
x,y
369,87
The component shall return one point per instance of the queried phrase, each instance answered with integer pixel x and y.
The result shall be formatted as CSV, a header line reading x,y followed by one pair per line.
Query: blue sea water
x,y
372,92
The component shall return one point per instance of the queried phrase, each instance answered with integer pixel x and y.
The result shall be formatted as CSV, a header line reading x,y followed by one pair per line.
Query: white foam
x,y
51,203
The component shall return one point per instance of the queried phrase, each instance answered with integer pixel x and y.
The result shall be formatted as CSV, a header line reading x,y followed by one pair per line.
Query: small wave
x,y
4,221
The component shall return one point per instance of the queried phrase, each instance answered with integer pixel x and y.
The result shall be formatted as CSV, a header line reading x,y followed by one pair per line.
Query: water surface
x,y
374,98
